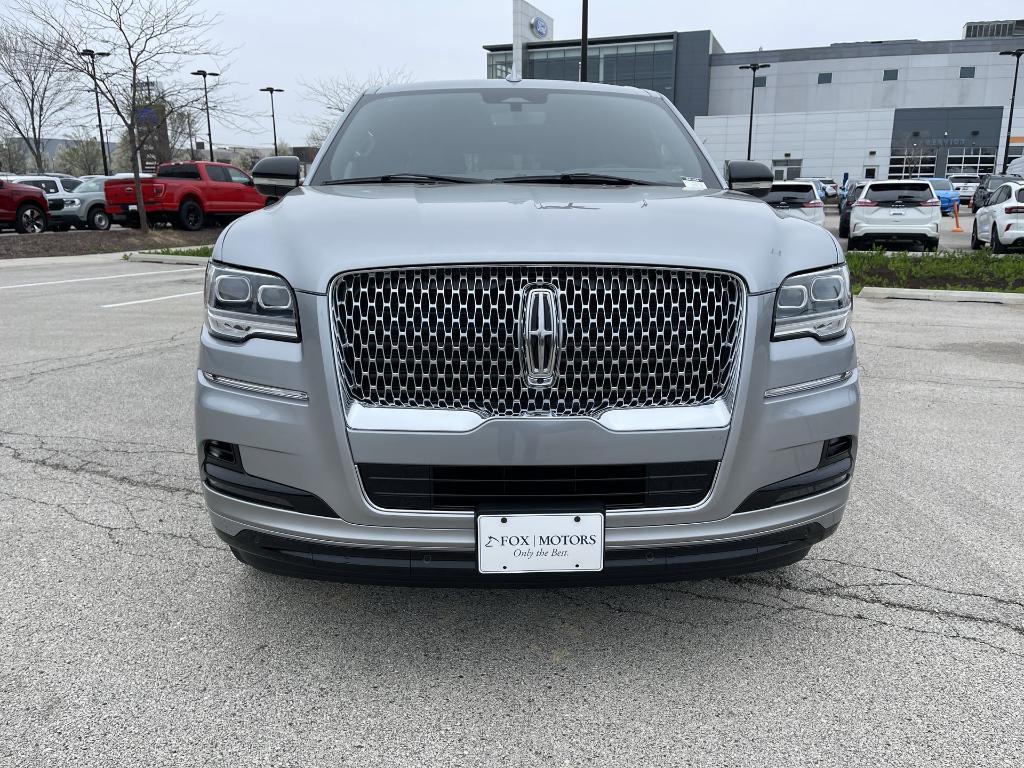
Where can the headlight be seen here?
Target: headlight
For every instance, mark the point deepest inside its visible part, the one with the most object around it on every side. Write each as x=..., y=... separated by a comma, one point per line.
x=816, y=304
x=241, y=305
x=72, y=202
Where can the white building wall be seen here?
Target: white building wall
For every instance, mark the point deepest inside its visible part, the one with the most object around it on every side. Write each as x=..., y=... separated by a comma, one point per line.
x=833, y=128
x=924, y=81
x=828, y=143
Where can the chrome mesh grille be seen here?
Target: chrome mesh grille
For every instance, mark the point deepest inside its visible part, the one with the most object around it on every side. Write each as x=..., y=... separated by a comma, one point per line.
x=448, y=337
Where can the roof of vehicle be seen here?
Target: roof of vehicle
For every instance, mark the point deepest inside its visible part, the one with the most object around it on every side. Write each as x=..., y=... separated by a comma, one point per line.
x=511, y=85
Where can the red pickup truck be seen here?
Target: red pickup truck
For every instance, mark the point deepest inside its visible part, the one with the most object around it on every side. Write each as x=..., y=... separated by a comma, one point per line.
x=23, y=207
x=188, y=195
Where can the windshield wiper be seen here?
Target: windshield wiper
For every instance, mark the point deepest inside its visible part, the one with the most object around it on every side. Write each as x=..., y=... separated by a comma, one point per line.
x=573, y=178
x=406, y=178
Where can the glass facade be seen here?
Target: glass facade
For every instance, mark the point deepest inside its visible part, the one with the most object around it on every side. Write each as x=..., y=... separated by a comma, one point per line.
x=648, y=65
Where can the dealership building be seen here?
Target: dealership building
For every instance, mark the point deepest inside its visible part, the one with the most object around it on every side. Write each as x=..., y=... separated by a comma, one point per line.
x=879, y=109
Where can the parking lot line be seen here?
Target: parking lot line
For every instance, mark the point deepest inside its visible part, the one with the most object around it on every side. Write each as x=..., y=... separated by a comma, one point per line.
x=103, y=277
x=146, y=301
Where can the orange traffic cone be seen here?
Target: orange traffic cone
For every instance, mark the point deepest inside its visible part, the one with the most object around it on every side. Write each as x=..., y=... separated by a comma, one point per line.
x=956, y=218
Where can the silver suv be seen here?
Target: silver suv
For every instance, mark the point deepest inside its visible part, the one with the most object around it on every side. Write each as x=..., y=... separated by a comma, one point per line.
x=513, y=332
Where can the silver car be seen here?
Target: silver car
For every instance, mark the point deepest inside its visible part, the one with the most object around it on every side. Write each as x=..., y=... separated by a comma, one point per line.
x=87, y=206
x=523, y=332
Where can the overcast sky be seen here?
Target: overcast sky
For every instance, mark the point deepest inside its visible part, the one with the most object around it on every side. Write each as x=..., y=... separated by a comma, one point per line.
x=277, y=43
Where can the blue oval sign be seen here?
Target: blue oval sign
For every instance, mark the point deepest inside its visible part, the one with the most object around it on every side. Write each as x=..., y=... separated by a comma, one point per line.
x=539, y=26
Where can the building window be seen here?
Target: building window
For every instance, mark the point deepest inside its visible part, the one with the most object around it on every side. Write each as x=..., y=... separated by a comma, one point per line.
x=890, y=74
x=966, y=73
x=760, y=81
x=824, y=78
x=870, y=171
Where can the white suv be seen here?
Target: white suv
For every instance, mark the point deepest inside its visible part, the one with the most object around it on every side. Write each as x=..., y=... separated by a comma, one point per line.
x=797, y=200
x=1000, y=224
x=896, y=212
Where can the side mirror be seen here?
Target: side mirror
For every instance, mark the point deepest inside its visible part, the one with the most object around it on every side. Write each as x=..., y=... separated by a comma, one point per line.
x=276, y=176
x=750, y=177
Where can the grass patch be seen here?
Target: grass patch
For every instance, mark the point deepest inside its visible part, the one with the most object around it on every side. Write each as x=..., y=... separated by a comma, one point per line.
x=948, y=270
x=200, y=251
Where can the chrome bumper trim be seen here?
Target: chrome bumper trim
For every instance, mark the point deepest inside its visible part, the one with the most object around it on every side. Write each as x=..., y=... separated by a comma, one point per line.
x=363, y=418
x=804, y=386
x=258, y=389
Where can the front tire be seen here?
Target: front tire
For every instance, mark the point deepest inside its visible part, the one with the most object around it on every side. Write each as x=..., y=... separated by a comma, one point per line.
x=191, y=216
x=99, y=219
x=30, y=220
x=997, y=245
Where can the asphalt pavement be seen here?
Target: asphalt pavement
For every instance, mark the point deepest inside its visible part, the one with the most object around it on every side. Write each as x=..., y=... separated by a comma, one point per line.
x=132, y=637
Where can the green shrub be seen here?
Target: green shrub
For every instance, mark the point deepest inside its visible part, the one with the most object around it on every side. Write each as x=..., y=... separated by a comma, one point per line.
x=952, y=270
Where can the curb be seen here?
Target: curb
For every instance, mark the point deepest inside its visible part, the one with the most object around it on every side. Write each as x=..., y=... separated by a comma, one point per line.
x=151, y=258
x=922, y=294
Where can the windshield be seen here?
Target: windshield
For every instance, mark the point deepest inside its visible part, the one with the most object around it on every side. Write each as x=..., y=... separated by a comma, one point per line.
x=92, y=185
x=498, y=133
x=964, y=179
x=941, y=184
x=791, y=193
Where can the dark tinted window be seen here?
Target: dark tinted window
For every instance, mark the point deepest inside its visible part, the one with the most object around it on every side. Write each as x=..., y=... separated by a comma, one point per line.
x=49, y=187
x=902, y=191
x=791, y=193
x=994, y=181
x=824, y=78
x=856, y=193
x=217, y=173
x=70, y=184
x=891, y=74
x=498, y=132
x=1020, y=195
x=178, y=171
x=966, y=73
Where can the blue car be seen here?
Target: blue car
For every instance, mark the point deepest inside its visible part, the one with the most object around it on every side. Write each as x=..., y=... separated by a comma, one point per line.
x=948, y=197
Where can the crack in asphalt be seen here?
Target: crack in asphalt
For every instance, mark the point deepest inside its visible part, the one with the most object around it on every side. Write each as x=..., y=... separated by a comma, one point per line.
x=84, y=462
x=99, y=357
x=110, y=529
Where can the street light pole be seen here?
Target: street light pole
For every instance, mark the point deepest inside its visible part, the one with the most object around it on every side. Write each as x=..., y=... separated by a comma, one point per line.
x=1013, y=97
x=584, y=35
x=753, y=82
x=273, y=118
x=89, y=53
x=206, y=98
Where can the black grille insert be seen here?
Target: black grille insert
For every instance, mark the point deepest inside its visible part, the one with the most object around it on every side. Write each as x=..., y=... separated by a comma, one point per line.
x=615, y=486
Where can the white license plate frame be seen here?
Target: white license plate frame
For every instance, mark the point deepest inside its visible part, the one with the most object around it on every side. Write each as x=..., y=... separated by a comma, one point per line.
x=548, y=542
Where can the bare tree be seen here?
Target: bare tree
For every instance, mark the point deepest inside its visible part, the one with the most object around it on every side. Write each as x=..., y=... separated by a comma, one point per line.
x=34, y=93
x=148, y=40
x=81, y=154
x=337, y=93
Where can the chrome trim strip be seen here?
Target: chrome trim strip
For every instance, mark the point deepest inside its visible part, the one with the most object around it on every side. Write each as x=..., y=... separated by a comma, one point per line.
x=365, y=418
x=804, y=386
x=258, y=389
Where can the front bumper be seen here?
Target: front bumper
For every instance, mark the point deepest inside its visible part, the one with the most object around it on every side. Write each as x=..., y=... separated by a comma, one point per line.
x=307, y=444
x=297, y=557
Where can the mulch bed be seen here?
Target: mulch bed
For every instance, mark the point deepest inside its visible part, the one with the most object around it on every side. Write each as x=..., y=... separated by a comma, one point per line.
x=81, y=242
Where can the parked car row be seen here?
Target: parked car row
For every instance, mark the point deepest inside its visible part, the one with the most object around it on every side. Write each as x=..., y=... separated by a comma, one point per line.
x=188, y=195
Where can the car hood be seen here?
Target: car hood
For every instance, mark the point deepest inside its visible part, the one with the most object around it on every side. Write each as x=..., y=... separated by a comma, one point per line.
x=314, y=233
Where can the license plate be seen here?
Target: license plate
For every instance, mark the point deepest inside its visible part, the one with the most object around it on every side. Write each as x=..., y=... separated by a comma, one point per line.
x=132, y=208
x=544, y=543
